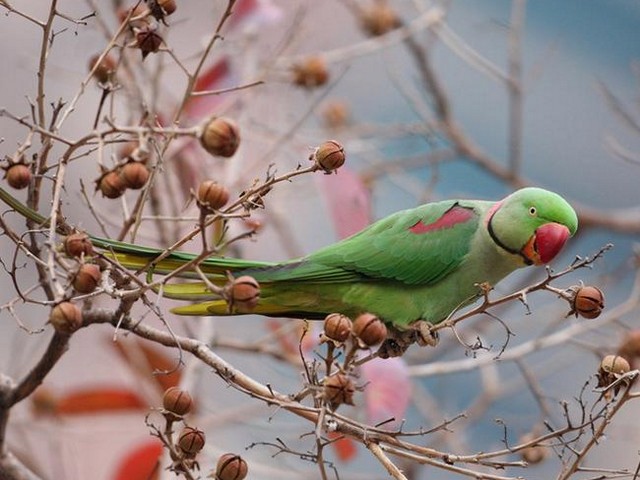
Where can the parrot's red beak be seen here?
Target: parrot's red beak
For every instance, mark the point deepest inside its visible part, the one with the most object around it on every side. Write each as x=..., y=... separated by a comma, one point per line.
x=546, y=243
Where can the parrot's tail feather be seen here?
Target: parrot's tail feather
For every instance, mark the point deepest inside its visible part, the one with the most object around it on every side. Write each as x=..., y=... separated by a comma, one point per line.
x=215, y=307
x=276, y=300
x=220, y=307
x=195, y=291
x=138, y=260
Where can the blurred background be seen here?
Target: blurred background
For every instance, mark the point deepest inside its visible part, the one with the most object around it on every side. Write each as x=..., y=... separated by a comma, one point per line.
x=545, y=92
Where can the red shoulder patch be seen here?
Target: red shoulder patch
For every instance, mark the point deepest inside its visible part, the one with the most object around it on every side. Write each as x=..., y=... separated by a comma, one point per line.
x=450, y=218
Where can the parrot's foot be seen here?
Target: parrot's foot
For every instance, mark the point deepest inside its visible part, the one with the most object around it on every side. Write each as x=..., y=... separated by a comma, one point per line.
x=425, y=334
x=398, y=341
x=391, y=347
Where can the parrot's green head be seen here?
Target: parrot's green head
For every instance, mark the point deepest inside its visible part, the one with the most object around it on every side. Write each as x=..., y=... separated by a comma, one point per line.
x=533, y=223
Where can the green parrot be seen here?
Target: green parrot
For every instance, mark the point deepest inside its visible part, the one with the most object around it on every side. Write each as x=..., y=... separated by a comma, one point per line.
x=415, y=265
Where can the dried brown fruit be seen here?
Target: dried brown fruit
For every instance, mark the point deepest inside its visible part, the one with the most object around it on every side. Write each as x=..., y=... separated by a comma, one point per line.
x=252, y=224
x=213, y=195
x=534, y=453
x=66, y=318
x=125, y=150
x=86, y=278
x=111, y=184
x=169, y=6
x=614, y=364
x=338, y=389
x=134, y=175
x=220, y=136
x=148, y=41
x=103, y=72
x=329, y=156
x=335, y=114
x=245, y=293
x=369, y=329
x=231, y=467
x=311, y=72
x=78, y=244
x=133, y=151
x=191, y=440
x=138, y=11
x=177, y=401
x=588, y=302
x=18, y=176
x=630, y=347
x=337, y=327
x=612, y=367
x=379, y=19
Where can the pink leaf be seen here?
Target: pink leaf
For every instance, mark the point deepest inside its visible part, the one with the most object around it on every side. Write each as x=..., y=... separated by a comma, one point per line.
x=186, y=164
x=141, y=463
x=388, y=391
x=215, y=77
x=349, y=201
x=252, y=14
x=345, y=448
x=87, y=401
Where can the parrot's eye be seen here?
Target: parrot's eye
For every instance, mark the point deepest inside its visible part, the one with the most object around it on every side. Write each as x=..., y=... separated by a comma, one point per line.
x=532, y=211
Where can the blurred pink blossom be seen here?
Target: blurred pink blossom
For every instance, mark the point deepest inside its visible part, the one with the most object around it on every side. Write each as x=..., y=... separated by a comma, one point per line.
x=388, y=391
x=348, y=199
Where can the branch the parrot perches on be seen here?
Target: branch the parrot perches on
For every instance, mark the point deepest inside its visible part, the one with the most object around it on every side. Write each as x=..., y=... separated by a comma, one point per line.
x=417, y=264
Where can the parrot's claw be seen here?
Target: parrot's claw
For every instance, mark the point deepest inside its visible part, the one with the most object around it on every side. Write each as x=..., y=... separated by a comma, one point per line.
x=424, y=333
x=398, y=341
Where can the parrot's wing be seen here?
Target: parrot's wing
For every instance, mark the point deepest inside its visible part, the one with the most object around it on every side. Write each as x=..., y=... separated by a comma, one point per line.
x=416, y=247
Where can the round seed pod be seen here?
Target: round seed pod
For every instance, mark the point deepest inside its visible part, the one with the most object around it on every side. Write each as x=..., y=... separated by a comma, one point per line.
x=337, y=327
x=245, y=293
x=78, y=244
x=126, y=149
x=111, y=184
x=105, y=69
x=169, y=6
x=338, y=389
x=615, y=364
x=18, y=176
x=630, y=347
x=252, y=224
x=134, y=175
x=329, y=156
x=611, y=368
x=335, y=114
x=66, y=318
x=220, y=136
x=138, y=11
x=191, y=440
x=588, y=302
x=133, y=151
x=369, y=329
x=177, y=401
x=311, y=72
x=379, y=19
x=213, y=195
x=86, y=278
x=533, y=454
x=231, y=467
